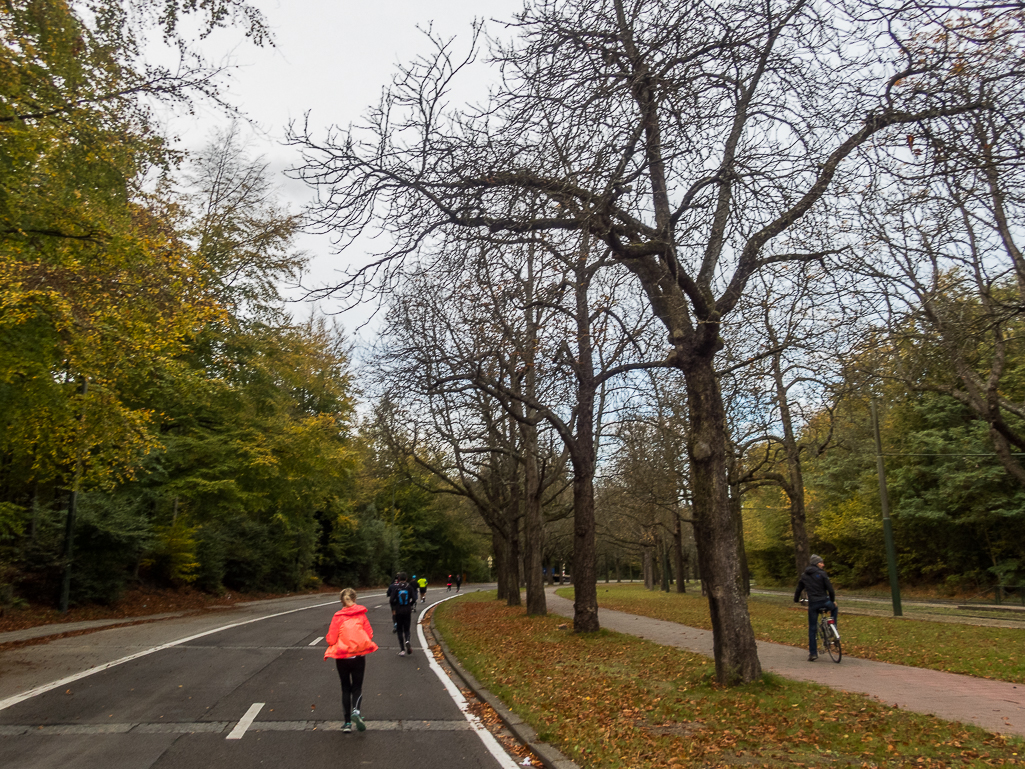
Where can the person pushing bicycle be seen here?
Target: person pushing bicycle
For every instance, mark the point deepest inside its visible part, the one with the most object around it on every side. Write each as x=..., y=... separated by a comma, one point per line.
x=815, y=582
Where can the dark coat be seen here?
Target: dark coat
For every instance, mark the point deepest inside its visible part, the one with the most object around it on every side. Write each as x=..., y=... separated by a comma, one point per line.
x=815, y=582
x=393, y=596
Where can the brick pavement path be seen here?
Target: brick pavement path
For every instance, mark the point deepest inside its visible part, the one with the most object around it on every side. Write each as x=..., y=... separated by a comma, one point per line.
x=996, y=706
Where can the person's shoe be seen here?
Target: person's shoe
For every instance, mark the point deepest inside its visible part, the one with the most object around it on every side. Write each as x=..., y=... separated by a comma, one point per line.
x=402, y=653
x=409, y=648
x=361, y=725
x=347, y=728
x=812, y=657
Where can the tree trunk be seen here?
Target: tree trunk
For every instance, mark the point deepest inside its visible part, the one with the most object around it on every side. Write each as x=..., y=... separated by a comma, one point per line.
x=737, y=510
x=664, y=564
x=582, y=453
x=795, y=477
x=649, y=571
x=715, y=529
x=585, y=567
x=679, y=562
x=34, y=526
x=533, y=526
x=533, y=522
x=513, y=597
x=500, y=552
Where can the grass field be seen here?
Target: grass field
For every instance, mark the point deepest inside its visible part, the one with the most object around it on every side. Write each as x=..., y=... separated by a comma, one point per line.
x=986, y=652
x=610, y=700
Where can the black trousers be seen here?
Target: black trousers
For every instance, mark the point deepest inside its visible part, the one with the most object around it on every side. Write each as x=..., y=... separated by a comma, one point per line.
x=402, y=629
x=350, y=671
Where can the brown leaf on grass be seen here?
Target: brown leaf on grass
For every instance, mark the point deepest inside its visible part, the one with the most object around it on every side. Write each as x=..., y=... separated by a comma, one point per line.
x=613, y=700
x=685, y=729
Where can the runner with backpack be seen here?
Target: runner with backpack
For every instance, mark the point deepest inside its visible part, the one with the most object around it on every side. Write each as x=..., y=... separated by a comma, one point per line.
x=401, y=597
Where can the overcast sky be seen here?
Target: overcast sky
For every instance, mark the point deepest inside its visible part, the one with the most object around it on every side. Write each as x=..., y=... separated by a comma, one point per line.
x=331, y=59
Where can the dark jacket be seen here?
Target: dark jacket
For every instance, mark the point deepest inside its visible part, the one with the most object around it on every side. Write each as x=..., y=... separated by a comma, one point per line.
x=816, y=584
x=393, y=597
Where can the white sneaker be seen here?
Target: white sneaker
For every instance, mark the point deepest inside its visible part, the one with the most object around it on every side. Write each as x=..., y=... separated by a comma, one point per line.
x=402, y=653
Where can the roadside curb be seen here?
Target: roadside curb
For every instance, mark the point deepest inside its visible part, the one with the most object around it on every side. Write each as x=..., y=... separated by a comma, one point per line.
x=550, y=756
x=80, y=628
x=56, y=630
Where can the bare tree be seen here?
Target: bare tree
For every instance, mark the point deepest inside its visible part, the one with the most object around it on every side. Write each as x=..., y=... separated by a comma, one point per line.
x=646, y=489
x=941, y=243
x=692, y=139
x=779, y=370
x=560, y=333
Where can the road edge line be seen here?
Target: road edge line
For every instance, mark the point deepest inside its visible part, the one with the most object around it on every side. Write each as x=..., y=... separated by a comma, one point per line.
x=494, y=746
x=17, y=698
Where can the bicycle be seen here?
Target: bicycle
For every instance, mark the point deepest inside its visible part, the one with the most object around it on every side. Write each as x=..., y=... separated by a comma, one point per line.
x=829, y=636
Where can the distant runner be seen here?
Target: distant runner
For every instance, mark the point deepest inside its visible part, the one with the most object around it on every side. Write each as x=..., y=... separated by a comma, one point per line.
x=422, y=584
x=401, y=597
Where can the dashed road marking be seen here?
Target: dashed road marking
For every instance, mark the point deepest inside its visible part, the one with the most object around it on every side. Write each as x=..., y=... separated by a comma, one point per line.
x=217, y=727
x=4, y=704
x=246, y=721
x=317, y=641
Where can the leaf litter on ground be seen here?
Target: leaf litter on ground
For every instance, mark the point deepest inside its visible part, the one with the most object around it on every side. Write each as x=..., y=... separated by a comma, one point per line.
x=611, y=700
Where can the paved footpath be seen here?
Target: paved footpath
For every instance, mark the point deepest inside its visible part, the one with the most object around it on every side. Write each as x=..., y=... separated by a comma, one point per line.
x=996, y=706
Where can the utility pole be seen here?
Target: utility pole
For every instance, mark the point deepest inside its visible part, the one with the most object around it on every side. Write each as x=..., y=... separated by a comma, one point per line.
x=884, y=503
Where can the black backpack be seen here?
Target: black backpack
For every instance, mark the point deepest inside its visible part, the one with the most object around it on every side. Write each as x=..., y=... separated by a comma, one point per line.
x=402, y=594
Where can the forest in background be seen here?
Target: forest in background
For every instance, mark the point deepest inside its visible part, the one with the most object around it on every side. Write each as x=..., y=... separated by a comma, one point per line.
x=152, y=380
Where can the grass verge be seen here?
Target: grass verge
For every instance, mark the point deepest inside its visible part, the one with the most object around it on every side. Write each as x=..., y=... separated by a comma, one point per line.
x=610, y=700
x=985, y=652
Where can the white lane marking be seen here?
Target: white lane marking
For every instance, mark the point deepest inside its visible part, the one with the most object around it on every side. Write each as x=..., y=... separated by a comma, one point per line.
x=217, y=727
x=15, y=699
x=317, y=641
x=246, y=721
x=493, y=746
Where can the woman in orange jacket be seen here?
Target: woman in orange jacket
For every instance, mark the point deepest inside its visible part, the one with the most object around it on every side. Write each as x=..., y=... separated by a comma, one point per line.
x=350, y=639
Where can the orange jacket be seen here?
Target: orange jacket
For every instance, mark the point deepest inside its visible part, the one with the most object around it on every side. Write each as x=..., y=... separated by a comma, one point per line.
x=350, y=634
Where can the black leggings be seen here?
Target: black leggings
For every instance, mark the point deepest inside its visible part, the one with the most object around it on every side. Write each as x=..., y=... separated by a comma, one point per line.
x=402, y=629
x=351, y=670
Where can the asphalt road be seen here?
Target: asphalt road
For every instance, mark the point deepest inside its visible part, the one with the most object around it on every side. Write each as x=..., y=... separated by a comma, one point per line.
x=185, y=705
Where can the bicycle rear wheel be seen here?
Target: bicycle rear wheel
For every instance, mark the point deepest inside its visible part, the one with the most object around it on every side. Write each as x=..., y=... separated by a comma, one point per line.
x=831, y=642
